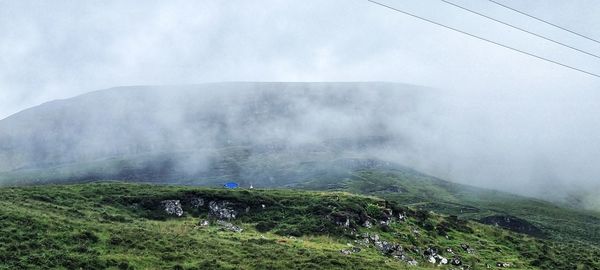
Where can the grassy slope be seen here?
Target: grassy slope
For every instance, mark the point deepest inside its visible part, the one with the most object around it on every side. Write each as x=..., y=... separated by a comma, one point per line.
x=121, y=226
x=426, y=192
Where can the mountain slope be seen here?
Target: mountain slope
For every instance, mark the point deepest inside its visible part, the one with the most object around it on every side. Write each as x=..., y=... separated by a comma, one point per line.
x=129, y=121
x=132, y=226
x=543, y=219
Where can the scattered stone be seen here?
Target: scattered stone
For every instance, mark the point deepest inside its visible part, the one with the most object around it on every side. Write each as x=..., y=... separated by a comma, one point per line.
x=431, y=260
x=204, y=223
x=455, y=261
x=412, y=262
x=228, y=226
x=502, y=264
x=367, y=224
x=263, y=206
x=430, y=252
x=441, y=260
x=402, y=216
x=385, y=222
x=343, y=222
x=350, y=251
x=221, y=210
x=197, y=202
x=172, y=207
x=374, y=237
x=466, y=248
x=247, y=209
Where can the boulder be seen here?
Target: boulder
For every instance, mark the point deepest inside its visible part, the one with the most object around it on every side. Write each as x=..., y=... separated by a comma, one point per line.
x=197, y=202
x=172, y=207
x=221, y=210
x=456, y=261
x=441, y=260
x=431, y=259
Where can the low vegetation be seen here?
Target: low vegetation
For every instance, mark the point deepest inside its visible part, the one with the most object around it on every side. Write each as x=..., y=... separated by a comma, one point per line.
x=126, y=226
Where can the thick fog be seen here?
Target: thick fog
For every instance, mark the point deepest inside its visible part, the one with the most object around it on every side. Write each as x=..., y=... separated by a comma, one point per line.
x=496, y=119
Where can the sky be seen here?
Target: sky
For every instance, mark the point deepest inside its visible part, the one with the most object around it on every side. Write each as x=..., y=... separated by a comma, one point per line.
x=510, y=112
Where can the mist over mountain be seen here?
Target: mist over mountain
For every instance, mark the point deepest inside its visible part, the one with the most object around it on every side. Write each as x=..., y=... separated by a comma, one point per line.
x=186, y=131
x=273, y=134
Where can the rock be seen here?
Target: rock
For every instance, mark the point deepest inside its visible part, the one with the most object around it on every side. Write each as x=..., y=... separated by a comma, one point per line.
x=455, y=261
x=502, y=264
x=172, y=207
x=343, y=222
x=228, y=226
x=350, y=251
x=204, y=223
x=374, y=237
x=197, y=202
x=441, y=260
x=402, y=216
x=412, y=262
x=466, y=248
x=430, y=252
x=263, y=206
x=367, y=224
x=221, y=210
x=431, y=259
x=449, y=250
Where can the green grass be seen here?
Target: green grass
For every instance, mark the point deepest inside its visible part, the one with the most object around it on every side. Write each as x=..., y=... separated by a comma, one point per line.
x=115, y=225
x=425, y=192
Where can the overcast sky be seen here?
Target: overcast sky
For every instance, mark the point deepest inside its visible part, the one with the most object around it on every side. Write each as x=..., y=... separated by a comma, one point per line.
x=57, y=49
x=500, y=102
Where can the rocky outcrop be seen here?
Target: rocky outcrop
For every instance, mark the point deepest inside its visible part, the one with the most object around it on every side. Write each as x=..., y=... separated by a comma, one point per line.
x=197, y=202
x=172, y=207
x=388, y=248
x=221, y=210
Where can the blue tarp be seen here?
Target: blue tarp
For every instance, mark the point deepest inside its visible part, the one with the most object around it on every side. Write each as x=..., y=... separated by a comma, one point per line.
x=231, y=185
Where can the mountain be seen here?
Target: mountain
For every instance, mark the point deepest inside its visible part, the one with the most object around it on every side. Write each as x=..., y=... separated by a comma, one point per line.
x=114, y=225
x=202, y=120
x=318, y=136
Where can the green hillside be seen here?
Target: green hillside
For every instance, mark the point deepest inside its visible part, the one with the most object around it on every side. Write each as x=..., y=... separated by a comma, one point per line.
x=421, y=191
x=133, y=226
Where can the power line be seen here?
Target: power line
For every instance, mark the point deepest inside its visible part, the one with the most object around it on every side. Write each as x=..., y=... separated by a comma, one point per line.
x=520, y=29
x=544, y=21
x=484, y=39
